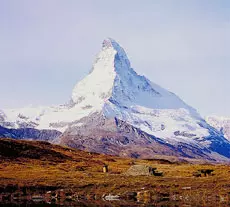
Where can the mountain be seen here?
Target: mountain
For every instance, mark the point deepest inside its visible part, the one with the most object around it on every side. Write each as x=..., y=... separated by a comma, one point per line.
x=29, y=134
x=220, y=123
x=114, y=110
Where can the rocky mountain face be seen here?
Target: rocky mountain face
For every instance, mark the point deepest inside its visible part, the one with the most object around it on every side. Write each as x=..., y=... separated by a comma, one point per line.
x=97, y=133
x=222, y=124
x=114, y=110
x=29, y=134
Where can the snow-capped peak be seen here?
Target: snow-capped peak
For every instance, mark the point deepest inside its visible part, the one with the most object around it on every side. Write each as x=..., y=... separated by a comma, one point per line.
x=97, y=85
x=120, y=52
x=112, y=87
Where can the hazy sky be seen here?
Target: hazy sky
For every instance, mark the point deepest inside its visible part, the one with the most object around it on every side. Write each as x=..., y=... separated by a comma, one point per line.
x=46, y=46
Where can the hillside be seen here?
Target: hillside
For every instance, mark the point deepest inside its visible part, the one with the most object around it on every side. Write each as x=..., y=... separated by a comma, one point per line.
x=37, y=167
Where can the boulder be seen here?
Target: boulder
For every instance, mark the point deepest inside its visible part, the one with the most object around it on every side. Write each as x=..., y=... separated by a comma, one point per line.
x=136, y=170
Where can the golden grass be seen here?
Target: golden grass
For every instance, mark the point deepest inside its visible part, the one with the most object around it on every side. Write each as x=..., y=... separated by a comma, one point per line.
x=82, y=172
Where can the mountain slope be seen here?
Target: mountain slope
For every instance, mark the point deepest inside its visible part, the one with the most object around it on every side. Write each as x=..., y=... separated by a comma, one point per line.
x=114, y=92
x=119, y=93
x=220, y=123
x=113, y=136
x=29, y=134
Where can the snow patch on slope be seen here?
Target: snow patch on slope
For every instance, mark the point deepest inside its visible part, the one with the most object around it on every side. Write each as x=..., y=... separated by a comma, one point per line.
x=57, y=117
x=172, y=125
x=222, y=124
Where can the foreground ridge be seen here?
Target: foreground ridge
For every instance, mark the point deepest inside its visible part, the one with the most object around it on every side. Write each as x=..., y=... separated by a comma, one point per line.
x=46, y=171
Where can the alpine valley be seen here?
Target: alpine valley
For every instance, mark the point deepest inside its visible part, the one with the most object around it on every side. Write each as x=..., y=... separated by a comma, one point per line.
x=113, y=110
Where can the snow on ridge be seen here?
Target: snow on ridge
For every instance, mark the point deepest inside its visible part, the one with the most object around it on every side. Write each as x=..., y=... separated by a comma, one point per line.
x=109, y=42
x=163, y=123
x=220, y=123
x=97, y=86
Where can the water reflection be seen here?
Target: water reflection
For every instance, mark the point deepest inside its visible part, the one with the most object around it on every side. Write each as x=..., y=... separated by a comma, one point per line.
x=173, y=201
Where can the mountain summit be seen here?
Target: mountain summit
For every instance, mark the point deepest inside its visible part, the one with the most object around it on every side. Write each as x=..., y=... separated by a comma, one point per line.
x=113, y=80
x=114, y=110
x=114, y=88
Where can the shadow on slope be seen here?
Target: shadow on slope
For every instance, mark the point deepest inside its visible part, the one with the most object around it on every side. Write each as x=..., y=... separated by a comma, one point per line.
x=29, y=133
x=14, y=149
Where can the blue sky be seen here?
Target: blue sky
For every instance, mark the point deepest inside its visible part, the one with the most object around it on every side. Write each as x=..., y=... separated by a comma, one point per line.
x=46, y=46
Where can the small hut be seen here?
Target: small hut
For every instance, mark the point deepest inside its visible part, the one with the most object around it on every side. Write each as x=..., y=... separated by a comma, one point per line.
x=136, y=170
